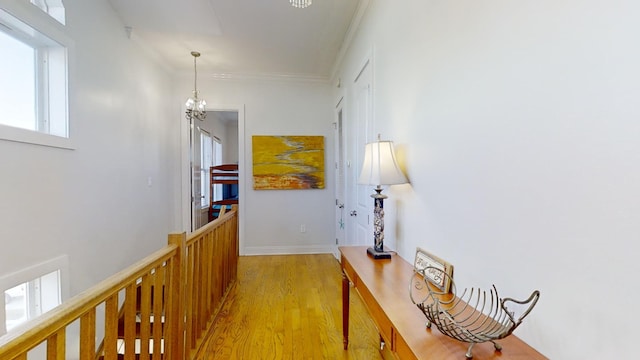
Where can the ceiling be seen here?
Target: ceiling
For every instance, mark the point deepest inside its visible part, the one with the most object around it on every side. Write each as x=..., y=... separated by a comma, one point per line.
x=241, y=37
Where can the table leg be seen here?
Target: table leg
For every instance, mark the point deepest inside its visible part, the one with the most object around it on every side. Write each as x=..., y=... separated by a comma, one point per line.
x=345, y=310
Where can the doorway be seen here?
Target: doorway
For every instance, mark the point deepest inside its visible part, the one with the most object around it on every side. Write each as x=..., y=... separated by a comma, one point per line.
x=214, y=141
x=187, y=198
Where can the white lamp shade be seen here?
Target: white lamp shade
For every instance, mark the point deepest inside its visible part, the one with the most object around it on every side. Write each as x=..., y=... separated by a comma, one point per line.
x=380, y=166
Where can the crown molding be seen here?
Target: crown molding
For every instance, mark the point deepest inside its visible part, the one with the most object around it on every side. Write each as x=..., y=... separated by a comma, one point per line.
x=285, y=77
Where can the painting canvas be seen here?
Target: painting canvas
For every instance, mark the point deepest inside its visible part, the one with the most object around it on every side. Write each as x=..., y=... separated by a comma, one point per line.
x=288, y=162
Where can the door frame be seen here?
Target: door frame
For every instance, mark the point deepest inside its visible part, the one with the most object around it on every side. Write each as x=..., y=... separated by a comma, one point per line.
x=339, y=153
x=195, y=159
x=359, y=232
x=185, y=198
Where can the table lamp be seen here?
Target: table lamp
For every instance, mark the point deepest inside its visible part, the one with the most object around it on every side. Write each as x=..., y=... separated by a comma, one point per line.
x=380, y=168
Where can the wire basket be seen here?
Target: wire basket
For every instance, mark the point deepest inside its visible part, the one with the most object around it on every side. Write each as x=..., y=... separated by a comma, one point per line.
x=474, y=316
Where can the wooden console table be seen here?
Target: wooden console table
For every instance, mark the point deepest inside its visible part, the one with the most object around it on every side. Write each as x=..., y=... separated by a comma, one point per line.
x=383, y=286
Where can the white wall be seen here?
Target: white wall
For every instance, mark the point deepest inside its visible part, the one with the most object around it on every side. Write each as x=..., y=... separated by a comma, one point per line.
x=272, y=218
x=94, y=203
x=518, y=126
x=230, y=154
x=227, y=133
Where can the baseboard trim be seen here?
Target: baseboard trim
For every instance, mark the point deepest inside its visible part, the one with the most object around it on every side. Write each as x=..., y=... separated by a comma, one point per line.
x=287, y=250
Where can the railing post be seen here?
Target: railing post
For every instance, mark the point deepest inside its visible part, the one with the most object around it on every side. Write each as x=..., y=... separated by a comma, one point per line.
x=56, y=346
x=177, y=280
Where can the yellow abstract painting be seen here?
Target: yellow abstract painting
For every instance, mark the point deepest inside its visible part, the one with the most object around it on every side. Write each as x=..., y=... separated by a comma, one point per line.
x=288, y=162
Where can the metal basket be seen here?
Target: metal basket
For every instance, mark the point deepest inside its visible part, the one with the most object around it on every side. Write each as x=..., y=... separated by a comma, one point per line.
x=474, y=316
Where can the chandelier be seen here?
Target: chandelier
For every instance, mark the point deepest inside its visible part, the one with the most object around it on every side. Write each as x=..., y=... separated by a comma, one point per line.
x=300, y=3
x=195, y=106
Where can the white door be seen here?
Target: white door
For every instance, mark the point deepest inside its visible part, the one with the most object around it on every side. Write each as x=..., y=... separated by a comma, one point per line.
x=339, y=156
x=360, y=132
x=196, y=177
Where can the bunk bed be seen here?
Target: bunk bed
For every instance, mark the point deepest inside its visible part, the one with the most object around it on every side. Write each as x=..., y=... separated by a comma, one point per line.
x=227, y=176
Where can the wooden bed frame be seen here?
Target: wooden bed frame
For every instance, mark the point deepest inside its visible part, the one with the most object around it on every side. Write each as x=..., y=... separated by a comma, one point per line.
x=226, y=174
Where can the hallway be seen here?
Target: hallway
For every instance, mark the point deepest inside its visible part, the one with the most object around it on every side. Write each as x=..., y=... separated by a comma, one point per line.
x=289, y=307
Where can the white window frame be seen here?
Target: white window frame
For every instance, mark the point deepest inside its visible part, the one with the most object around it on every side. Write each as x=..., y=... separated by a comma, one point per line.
x=53, y=74
x=54, y=8
x=217, y=160
x=206, y=161
x=36, y=272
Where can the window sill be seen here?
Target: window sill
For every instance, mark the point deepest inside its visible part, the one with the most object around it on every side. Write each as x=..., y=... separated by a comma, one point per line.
x=9, y=133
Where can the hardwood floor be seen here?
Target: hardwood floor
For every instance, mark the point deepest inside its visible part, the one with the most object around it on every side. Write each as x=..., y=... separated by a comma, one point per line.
x=289, y=307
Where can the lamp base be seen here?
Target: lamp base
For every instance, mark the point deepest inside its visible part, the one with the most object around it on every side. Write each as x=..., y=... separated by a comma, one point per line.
x=377, y=255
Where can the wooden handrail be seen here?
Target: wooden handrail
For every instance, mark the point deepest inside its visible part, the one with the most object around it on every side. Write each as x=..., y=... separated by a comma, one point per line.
x=163, y=283
x=211, y=258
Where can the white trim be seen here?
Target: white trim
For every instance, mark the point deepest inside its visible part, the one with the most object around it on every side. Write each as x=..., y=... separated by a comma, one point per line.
x=348, y=38
x=339, y=139
x=32, y=272
x=242, y=183
x=339, y=104
x=14, y=134
x=288, y=250
x=367, y=61
x=185, y=196
x=54, y=32
x=37, y=19
x=264, y=77
x=186, y=183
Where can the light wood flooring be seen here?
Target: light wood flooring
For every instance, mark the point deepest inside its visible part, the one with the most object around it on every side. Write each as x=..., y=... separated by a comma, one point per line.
x=289, y=307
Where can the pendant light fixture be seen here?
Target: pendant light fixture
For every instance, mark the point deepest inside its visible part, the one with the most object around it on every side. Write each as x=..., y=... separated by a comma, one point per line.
x=195, y=106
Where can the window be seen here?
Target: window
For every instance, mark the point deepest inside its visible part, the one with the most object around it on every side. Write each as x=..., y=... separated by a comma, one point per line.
x=31, y=299
x=32, y=291
x=17, y=94
x=33, y=69
x=55, y=9
x=217, y=153
x=210, y=155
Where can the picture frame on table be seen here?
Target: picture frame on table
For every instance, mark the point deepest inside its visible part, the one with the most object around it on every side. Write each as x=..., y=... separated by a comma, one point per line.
x=437, y=266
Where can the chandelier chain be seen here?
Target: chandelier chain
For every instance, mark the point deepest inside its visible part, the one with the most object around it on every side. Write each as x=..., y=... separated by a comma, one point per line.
x=195, y=106
x=195, y=71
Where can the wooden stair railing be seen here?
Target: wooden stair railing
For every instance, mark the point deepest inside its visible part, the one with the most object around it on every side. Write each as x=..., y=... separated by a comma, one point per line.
x=146, y=325
x=186, y=283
